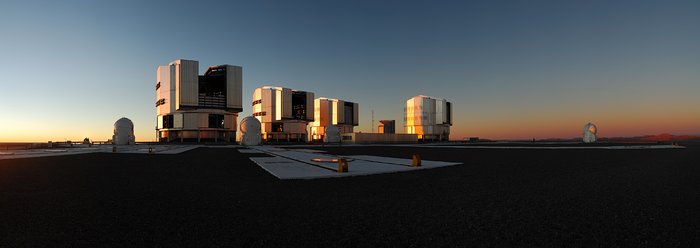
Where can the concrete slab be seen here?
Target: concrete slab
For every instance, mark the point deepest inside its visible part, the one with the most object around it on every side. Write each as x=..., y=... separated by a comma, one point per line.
x=249, y=151
x=137, y=149
x=177, y=150
x=284, y=168
x=401, y=161
x=294, y=164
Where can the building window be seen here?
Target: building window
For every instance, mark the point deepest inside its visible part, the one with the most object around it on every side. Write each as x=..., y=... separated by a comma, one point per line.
x=449, y=113
x=299, y=105
x=160, y=102
x=212, y=88
x=277, y=127
x=260, y=113
x=259, y=101
x=168, y=121
x=349, y=110
x=216, y=121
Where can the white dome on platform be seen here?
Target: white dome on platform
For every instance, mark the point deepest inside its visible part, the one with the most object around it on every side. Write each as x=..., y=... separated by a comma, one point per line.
x=123, y=132
x=590, y=133
x=251, y=134
x=332, y=134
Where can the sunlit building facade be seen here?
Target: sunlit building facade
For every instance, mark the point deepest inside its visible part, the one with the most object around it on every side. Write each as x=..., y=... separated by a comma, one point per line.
x=339, y=113
x=283, y=113
x=193, y=107
x=428, y=117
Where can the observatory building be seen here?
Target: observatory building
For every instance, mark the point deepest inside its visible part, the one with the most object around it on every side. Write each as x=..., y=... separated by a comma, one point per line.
x=428, y=117
x=123, y=132
x=333, y=112
x=197, y=107
x=590, y=133
x=387, y=126
x=283, y=113
x=250, y=131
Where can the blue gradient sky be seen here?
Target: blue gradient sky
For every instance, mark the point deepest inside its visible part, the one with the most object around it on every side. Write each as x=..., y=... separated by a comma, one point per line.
x=514, y=69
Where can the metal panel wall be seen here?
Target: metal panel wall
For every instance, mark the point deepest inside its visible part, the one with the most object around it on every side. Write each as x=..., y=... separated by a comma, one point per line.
x=309, y=106
x=191, y=121
x=234, y=87
x=339, y=112
x=439, y=112
x=449, y=112
x=285, y=103
x=187, y=78
x=179, y=121
x=164, y=91
x=356, y=114
x=159, y=119
x=321, y=113
x=230, y=122
x=268, y=105
x=203, y=120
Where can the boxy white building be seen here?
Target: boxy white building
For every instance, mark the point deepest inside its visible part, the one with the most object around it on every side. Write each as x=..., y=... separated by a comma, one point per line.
x=339, y=113
x=283, y=113
x=428, y=117
x=197, y=107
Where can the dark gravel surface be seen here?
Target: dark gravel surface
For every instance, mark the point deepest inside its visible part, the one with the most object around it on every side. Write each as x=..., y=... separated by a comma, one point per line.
x=217, y=197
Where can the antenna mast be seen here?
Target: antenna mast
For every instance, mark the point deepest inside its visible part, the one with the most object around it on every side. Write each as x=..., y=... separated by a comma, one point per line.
x=372, y=120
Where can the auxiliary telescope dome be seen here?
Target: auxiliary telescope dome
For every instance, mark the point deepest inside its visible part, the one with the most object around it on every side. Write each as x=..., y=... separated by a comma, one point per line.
x=332, y=134
x=250, y=131
x=123, y=132
x=590, y=133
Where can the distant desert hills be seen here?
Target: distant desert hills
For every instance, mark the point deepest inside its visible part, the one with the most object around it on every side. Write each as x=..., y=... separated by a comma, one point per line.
x=664, y=137
x=658, y=137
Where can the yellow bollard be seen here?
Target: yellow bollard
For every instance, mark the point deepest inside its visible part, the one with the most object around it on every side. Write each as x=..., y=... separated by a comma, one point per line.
x=342, y=165
x=416, y=160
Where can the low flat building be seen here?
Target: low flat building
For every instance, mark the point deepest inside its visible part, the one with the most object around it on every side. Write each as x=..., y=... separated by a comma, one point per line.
x=197, y=107
x=387, y=126
x=339, y=113
x=283, y=113
x=428, y=117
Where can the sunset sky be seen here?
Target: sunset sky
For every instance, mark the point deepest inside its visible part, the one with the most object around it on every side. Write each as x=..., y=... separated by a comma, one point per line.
x=513, y=69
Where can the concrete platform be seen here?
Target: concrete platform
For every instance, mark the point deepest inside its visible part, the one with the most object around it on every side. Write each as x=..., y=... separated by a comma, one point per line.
x=298, y=164
x=134, y=149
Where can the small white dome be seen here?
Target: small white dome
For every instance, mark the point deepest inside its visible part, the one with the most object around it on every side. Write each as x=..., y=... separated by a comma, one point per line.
x=590, y=133
x=251, y=134
x=332, y=134
x=123, y=132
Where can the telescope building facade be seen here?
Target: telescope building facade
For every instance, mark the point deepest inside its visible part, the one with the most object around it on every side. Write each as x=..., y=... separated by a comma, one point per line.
x=428, y=117
x=283, y=113
x=342, y=114
x=197, y=107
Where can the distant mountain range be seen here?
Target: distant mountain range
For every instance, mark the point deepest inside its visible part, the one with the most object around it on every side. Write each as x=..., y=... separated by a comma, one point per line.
x=656, y=138
x=664, y=137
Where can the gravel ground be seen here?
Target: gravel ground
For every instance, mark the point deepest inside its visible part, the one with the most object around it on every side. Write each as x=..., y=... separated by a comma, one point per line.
x=217, y=197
